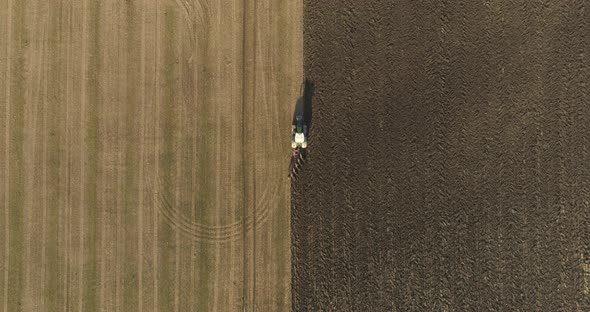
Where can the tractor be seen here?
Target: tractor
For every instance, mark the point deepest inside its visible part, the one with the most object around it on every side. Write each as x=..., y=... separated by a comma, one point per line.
x=299, y=133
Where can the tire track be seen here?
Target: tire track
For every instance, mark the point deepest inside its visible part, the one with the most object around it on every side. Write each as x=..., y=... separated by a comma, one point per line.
x=177, y=232
x=83, y=99
x=220, y=262
x=7, y=101
x=253, y=82
x=35, y=223
x=192, y=20
x=103, y=168
x=193, y=212
x=200, y=232
x=179, y=166
x=189, y=90
x=58, y=166
x=73, y=126
x=244, y=86
x=16, y=134
x=218, y=150
x=4, y=159
x=67, y=180
x=122, y=170
x=142, y=155
x=30, y=161
x=29, y=146
x=157, y=149
x=45, y=166
x=109, y=169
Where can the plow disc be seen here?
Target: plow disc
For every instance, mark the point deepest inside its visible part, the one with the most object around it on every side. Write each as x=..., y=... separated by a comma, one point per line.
x=297, y=160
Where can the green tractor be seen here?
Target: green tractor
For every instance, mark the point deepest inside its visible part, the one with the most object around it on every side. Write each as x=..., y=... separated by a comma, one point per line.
x=299, y=133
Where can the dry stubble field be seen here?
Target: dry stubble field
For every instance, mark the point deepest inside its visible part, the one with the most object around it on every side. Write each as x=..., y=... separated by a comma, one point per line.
x=143, y=154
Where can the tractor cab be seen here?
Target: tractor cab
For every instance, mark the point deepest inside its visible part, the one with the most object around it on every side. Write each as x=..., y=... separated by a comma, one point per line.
x=299, y=133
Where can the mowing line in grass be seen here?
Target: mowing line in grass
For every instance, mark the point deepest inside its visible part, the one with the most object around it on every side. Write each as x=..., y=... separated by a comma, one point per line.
x=55, y=138
x=167, y=179
x=131, y=186
x=93, y=150
x=16, y=180
x=6, y=37
x=203, y=189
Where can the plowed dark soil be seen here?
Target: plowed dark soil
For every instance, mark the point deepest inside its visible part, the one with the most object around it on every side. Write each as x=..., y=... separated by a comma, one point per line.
x=449, y=158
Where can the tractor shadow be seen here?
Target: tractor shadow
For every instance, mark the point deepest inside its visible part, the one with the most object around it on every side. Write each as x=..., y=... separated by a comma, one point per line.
x=305, y=102
x=302, y=107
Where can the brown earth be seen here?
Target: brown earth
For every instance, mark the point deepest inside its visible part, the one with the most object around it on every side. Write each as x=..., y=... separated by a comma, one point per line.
x=448, y=165
x=143, y=157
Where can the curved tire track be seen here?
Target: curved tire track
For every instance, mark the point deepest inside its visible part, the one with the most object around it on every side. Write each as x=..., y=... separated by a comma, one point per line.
x=214, y=233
